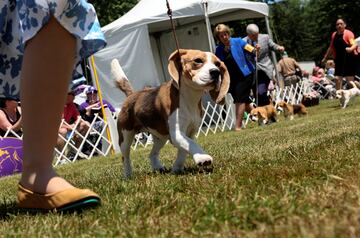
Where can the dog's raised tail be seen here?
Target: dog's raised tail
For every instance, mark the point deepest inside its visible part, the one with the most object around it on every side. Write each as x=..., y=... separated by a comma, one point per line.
x=121, y=80
x=355, y=84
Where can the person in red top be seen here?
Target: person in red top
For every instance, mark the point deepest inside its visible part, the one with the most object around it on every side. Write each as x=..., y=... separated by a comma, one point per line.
x=71, y=116
x=341, y=44
x=71, y=112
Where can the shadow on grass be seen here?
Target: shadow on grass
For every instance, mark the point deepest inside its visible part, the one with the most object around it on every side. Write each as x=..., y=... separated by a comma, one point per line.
x=187, y=171
x=335, y=106
x=8, y=210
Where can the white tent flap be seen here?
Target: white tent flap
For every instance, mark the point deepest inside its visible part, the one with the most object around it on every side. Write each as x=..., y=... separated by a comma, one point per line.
x=142, y=39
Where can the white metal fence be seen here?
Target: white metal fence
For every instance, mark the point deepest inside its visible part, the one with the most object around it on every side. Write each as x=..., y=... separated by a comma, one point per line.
x=96, y=141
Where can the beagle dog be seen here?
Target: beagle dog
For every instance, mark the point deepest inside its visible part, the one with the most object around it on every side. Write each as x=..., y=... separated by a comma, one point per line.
x=291, y=109
x=346, y=95
x=172, y=111
x=263, y=115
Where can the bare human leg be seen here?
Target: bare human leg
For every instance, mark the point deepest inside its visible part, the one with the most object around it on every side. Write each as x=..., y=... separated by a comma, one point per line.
x=350, y=79
x=248, y=107
x=48, y=62
x=338, y=82
x=239, y=112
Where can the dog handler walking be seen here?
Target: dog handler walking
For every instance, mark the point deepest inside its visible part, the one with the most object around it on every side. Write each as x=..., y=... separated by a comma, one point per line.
x=264, y=65
x=41, y=42
x=241, y=70
x=341, y=47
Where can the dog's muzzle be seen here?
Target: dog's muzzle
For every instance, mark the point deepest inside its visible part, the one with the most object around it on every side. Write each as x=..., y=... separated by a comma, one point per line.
x=215, y=77
x=253, y=118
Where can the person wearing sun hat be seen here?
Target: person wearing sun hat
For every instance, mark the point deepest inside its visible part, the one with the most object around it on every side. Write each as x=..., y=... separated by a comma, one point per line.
x=92, y=104
x=89, y=109
x=10, y=115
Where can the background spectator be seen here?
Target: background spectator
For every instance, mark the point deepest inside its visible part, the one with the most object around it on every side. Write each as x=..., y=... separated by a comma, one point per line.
x=330, y=69
x=71, y=116
x=10, y=116
x=89, y=109
x=264, y=65
x=288, y=68
x=92, y=105
x=341, y=48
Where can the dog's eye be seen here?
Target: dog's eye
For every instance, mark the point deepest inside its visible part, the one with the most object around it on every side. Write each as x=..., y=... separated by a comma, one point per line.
x=217, y=64
x=198, y=61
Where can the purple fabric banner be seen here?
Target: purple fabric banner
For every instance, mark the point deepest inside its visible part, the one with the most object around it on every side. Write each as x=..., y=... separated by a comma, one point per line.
x=11, y=156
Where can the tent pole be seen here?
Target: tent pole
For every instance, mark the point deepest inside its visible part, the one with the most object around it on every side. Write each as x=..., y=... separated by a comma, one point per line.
x=273, y=55
x=93, y=68
x=208, y=27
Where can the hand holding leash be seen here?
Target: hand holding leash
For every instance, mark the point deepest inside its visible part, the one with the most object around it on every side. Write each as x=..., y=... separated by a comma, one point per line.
x=257, y=50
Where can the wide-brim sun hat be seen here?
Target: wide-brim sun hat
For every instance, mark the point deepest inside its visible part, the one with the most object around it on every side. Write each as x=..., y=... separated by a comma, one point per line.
x=90, y=90
x=10, y=98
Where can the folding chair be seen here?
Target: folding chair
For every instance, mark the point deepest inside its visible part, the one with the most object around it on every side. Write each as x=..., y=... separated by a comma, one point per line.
x=325, y=91
x=143, y=139
x=11, y=133
x=70, y=152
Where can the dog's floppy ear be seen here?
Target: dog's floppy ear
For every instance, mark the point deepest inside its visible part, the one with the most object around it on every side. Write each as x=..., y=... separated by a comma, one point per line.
x=218, y=94
x=175, y=66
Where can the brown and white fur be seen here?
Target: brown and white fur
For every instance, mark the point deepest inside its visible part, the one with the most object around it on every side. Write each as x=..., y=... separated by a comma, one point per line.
x=263, y=115
x=172, y=111
x=292, y=109
x=346, y=95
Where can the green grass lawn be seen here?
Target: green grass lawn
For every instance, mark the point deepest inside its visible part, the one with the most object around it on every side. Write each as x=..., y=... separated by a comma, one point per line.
x=295, y=178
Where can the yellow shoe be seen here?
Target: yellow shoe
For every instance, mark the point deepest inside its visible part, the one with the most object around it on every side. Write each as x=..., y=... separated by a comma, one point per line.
x=68, y=200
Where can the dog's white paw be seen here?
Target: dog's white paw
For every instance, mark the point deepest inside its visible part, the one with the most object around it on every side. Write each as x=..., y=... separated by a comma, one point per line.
x=203, y=159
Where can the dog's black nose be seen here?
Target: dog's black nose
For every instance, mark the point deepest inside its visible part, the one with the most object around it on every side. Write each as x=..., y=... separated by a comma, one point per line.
x=214, y=73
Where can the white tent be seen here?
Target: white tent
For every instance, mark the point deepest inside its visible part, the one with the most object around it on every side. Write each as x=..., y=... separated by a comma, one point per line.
x=142, y=39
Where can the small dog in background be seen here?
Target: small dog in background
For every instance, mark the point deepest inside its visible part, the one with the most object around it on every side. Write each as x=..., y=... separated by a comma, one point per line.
x=345, y=95
x=264, y=115
x=291, y=109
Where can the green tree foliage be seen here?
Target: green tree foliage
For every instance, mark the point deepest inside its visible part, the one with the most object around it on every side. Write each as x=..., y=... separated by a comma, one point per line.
x=110, y=10
x=305, y=27
x=323, y=14
x=290, y=28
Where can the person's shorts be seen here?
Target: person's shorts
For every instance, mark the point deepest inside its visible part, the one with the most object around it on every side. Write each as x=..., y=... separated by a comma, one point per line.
x=240, y=91
x=346, y=66
x=20, y=20
x=291, y=80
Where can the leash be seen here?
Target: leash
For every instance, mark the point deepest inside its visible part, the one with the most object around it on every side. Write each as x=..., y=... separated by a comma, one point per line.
x=169, y=12
x=256, y=77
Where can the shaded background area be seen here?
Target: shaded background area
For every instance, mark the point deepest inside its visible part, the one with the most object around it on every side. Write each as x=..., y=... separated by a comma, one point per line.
x=304, y=27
